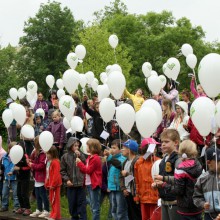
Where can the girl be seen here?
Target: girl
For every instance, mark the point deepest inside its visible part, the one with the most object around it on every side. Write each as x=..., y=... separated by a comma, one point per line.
x=199, y=92
x=37, y=164
x=181, y=120
x=168, y=116
x=144, y=193
x=185, y=177
x=173, y=94
x=53, y=183
x=53, y=100
x=58, y=130
x=93, y=179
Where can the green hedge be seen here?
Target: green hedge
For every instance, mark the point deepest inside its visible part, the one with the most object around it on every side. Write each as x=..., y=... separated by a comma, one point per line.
x=3, y=131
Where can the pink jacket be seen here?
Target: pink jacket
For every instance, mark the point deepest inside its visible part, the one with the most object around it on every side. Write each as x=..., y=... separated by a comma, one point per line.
x=2, y=151
x=194, y=91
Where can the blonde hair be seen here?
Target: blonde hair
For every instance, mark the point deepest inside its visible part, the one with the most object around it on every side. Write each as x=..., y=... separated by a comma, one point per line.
x=188, y=147
x=168, y=111
x=56, y=113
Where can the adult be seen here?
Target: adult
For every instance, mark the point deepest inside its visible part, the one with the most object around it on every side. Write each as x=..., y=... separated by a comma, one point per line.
x=199, y=92
x=53, y=100
x=41, y=103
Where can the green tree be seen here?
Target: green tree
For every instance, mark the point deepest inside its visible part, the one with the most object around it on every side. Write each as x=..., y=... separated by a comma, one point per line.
x=49, y=38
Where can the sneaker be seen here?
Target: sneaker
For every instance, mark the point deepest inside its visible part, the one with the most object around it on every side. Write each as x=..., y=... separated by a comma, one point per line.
x=15, y=210
x=19, y=211
x=26, y=212
x=3, y=209
x=44, y=214
x=37, y=213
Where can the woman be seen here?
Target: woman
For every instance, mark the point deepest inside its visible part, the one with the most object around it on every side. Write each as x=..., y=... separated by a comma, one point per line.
x=53, y=100
x=41, y=103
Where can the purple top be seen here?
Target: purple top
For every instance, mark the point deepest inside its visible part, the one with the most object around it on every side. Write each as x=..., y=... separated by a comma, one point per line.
x=194, y=91
x=173, y=95
x=41, y=104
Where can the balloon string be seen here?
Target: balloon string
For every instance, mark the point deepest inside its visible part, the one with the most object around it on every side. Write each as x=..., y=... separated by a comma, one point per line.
x=206, y=167
x=115, y=56
x=194, y=73
x=9, y=136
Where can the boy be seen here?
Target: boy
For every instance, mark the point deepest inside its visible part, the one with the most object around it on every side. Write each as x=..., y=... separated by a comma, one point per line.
x=118, y=203
x=39, y=124
x=206, y=193
x=127, y=183
x=170, y=140
x=74, y=179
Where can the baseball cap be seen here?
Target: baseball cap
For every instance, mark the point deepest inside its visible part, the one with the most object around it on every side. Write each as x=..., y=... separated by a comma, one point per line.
x=131, y=144
x=146, y=141
x=211, y=154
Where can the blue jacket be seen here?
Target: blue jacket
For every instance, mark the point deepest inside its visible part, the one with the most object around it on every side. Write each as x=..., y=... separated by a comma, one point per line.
x=8, y=166
x=114, y=173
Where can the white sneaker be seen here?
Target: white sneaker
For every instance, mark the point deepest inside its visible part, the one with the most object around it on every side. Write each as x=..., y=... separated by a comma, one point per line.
x=44, y=214
x=35, y=214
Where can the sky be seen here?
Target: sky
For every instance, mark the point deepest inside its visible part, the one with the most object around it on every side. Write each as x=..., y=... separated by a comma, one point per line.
x=13, y=13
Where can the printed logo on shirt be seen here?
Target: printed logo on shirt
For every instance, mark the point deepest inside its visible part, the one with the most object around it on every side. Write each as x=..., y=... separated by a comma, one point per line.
x=168, y=167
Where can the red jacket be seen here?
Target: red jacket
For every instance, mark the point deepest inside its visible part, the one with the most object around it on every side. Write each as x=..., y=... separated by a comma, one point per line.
x=38, y=166
x=94, y=169
x=53, y=179
x=195, y=136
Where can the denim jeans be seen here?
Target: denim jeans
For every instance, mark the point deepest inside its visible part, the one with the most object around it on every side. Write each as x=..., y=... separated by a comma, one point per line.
x=5, y=193
x=119, y=205
x=42, y=199
x=94, y=195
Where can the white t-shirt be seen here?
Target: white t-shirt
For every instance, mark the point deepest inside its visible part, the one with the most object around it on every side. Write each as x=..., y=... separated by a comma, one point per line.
x=88, y=178
x=127, y=168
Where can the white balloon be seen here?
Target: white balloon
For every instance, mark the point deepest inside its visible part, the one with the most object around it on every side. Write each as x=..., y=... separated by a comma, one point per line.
x=209, y=74
x=191, y=61
x=151, y=103
x=66, y=123
x=202, y=113
x=32, y=87
x=155, y=168
x=89, y=77
x=217, y=113
x=16, y=154
x=146, y=69
x=88, y=116
x=172, y=68
x=77, y=124
x=186, y=49
x=67, y=106
x=95, y=84
x=13, y=93
x=103, y=92
x=163, y=79
x=125, y=116
x=82, y=80
x=71, y=80
x=107, y=109
x=41, y=112
x=108, y=69
x=146, y=121
x=154, y=84
x=72, y=60
x=46, y=140
x=164, y=68
x=60, y=93
x=21, y=93
x=84, y=145
x=113, y=41
x=103, y=77
x=27, y=131
x=50, y=81
x=7, y=117
x=115, y=67
x=13, y=106
x=153, y=73
x=31, y=98
x=116, y=83
x=59, y=84
x=19, y=113
x=80, y=52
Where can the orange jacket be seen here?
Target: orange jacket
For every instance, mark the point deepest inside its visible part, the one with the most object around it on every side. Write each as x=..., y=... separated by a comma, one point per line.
x=143, y=180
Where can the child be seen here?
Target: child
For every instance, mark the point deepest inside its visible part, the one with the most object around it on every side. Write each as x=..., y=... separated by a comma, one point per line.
x=37, y=164
x=186, y=98
x=10, y=181
x=181, y=120
x=2, y=153
x=39, y=124
x=53, y=183
x=127, y=183
x=93, y=179
x=170, y=140
x=23, y=176
x=118, y=203
x=185, y=176
x=206, y=193
x=58, y=130
x=200, y=92
x=144, y=193
x=74, y=179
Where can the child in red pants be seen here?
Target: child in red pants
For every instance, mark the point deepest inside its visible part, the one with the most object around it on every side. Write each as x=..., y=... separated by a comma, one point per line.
x=53, y=183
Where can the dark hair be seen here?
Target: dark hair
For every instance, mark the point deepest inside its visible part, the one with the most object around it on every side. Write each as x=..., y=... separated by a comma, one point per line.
x=143, y=150
x=116, y=142
x=94, y=146
x=173, y=85
x=186, y=93
x=11, y=144
x=53, y=152
x=139, y=89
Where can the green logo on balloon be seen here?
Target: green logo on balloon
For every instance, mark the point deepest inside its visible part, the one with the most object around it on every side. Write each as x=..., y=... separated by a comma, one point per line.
x=74, y=58
x=66, y=104
x=216, y=111
x=31, y=86
x=171, y=66
x=192, y=111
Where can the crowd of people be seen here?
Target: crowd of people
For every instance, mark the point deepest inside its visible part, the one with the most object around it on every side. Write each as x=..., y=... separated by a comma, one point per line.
x=185, y=185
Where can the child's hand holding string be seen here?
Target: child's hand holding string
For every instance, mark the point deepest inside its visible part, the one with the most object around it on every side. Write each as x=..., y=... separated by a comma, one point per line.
x=77, y=160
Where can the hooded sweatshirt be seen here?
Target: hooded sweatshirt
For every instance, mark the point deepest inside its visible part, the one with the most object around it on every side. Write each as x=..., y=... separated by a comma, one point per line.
x=69, y=170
